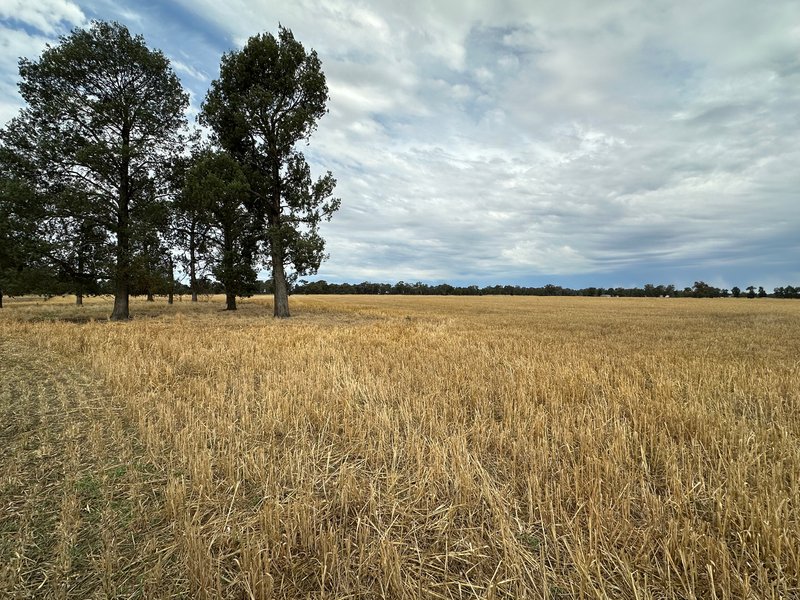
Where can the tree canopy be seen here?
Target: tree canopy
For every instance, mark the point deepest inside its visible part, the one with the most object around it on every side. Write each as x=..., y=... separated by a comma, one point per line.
x=216, y=188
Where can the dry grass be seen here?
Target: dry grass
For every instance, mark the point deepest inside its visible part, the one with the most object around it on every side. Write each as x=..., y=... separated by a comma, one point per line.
x=82, y=509
x=395, y=447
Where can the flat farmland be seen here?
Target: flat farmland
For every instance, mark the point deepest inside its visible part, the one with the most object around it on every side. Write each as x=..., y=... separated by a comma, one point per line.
x=401, y=447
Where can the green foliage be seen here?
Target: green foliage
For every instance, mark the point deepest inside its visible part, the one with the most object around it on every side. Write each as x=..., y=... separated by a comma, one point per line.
x=190, y=223
x=703, y=290
x=269, y=96
x=42, y=250
x=443, y=289
x=788, y=291
x=215, y=188
x=23, y=268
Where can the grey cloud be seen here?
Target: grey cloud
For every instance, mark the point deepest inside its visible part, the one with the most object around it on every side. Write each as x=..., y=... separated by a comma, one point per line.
x=477, y=141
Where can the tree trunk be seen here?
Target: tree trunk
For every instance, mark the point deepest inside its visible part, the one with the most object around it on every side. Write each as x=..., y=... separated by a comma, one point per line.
x=281, y=289
x=280, y=304
x=121, y=310
x=192, y=270
x=171, y=296
x=227, y=278
x=1, y=298
x=150, y=296
x=230, y=301
x=79, y=286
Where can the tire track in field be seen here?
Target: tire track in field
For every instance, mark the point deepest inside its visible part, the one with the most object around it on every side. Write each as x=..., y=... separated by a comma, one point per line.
x=81, y=507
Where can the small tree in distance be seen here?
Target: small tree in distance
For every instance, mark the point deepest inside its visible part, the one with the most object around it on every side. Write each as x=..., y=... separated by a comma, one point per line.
x=190, y=224
x=268, y=98
x=217, y=184
x=21, y=249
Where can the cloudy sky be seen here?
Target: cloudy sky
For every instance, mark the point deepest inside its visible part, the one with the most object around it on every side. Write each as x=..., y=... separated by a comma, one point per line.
x=474, y=141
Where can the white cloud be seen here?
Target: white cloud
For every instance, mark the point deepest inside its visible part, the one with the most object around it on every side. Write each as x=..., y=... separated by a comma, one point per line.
x=14, y=44
x=182, y=67
x=47, y=16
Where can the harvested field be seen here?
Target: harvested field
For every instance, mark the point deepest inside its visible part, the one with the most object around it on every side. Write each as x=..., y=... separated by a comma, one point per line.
x=401, y=447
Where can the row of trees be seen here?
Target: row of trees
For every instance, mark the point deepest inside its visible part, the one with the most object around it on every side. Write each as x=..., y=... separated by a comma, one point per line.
x=699, y=290
x=204, y=285
x=102, y=185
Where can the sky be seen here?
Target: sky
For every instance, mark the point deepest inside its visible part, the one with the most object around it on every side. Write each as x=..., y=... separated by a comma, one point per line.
x=580, y=143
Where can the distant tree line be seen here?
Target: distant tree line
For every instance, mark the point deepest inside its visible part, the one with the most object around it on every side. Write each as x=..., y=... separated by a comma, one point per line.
x=699, y=290
x=47, y=284
x=105, y=189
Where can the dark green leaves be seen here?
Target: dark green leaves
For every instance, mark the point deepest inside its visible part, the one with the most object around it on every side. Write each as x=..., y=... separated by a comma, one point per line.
x=216, y=187
x=269, y=96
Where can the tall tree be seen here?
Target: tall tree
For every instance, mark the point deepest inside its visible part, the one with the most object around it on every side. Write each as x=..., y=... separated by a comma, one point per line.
x=103, y=111
x=217, y=186
x=268, y=98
